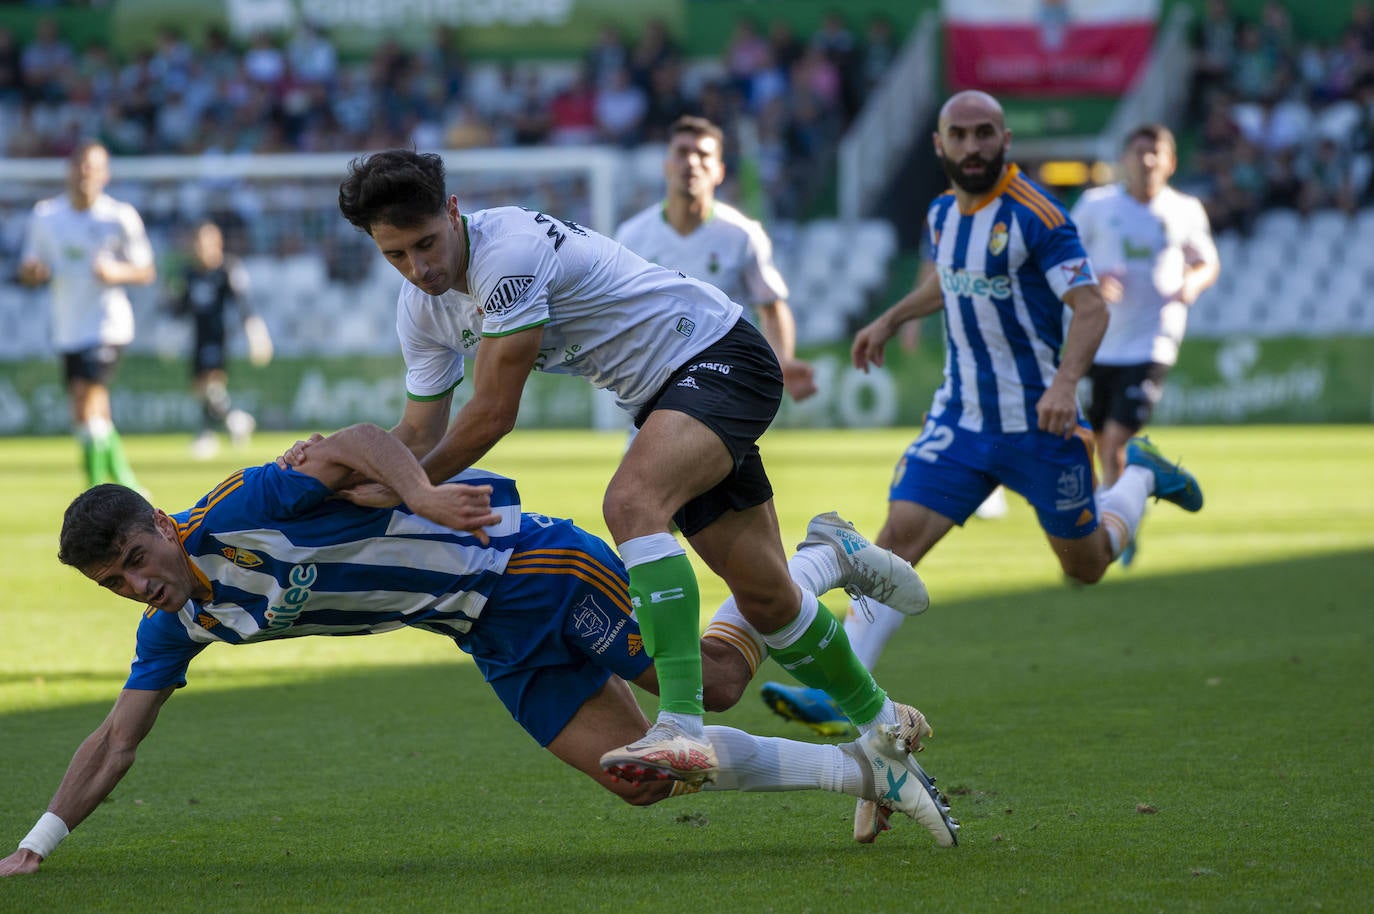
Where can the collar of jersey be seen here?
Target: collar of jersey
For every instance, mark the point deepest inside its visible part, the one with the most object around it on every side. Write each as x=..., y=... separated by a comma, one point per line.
x=707, y=217
x=1012, y=172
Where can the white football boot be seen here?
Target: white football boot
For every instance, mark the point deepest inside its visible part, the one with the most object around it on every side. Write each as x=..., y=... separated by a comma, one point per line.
x=869, y=570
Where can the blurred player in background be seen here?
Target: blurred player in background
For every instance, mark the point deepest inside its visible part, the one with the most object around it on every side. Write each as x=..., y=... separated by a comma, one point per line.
x=693, y=232
x=541, y=605
x=1153, y=251
x=541, y=293
x=87, y=247
x=1007, y=261
x=213, y=284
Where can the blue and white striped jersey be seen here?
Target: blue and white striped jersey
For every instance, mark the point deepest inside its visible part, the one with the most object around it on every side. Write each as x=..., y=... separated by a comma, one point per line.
x=1003, y=269
x=284, y=560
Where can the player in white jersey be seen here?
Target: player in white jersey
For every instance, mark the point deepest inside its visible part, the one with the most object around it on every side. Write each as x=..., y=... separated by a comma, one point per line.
x=542, y=606
x=87, y=246
x=701, y=236
x=1153, y=250
x=543, y=294
x=1007, y=261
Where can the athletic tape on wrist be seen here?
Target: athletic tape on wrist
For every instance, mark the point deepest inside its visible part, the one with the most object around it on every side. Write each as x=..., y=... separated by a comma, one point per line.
x=45, y=835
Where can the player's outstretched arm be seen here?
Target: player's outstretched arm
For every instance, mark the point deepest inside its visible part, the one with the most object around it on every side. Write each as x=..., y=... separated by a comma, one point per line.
x=921, y=301
x=98, y=765
x=375, y=453
x=502, y=366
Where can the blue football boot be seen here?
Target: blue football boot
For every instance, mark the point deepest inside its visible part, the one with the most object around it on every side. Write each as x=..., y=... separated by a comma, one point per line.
x=811, y=707
x=1172, y=482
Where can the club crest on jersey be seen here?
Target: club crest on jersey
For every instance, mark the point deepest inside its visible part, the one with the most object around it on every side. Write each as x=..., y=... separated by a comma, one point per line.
x=997, y=241
x=241, y=557
x=507, y=294
x=1077, y=272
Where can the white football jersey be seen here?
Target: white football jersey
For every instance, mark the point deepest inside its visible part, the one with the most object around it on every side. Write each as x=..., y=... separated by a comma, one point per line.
x=608, y=315
x=85, y=311
x=1148, y=246
x=729, y=250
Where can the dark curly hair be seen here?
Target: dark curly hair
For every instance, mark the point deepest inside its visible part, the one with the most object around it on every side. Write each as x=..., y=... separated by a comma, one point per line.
x=399, y=187
x=99, y=522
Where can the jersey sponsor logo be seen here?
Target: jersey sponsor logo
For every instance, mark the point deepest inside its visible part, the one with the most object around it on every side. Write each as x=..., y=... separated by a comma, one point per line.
x=572, y=353
x=713, y=263
x=206, y=621
x=507, y=294
x=1077, y=272
x=997, y=241
x=635, y=644
x=1072, y=490
x=470, y=339
x=685, y=325
x=966, y=283
x=710, y=366
x=594, y=626
x=689, y=382
x=281, y=615
x=241, y=557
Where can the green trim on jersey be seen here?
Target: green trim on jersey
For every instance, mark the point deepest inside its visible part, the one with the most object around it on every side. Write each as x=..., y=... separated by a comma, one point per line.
x=486, y=333
x=421, y=398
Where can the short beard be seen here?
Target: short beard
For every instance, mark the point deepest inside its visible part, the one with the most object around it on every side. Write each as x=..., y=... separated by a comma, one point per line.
x=975, y=184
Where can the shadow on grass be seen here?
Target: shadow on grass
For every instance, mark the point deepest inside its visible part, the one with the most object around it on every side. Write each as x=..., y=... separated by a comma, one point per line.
x=1125, y=739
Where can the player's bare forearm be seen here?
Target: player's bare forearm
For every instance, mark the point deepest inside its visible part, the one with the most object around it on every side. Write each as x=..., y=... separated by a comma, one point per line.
x=920, y=302
x=1198, y=279
x=105, y=756
x=779, y=327
x=373, y=452
x=1089, y=323
x=475, y=431
x=123, y=273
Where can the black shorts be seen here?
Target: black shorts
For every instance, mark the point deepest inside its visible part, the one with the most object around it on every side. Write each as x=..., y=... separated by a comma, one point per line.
x=209, y=355
x=96, y=365
x=1126, y=394
x=734, y=388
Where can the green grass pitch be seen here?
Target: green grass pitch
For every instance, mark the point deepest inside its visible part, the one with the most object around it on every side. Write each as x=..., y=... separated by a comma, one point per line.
x=1193, y=734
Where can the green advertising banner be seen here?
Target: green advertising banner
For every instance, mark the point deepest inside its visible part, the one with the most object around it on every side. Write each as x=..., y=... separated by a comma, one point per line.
x=1235, y=381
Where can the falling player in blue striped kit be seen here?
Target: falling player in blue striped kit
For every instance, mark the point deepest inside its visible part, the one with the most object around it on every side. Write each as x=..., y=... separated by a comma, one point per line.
x=541, y=605
x=1007, y=261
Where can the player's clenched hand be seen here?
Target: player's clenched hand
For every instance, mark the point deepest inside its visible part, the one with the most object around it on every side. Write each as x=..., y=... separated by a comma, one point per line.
x=20, y=863
x=458, y=506
x=295, y=454
x=1058, y=410
x=868, y=344
x=799, y=378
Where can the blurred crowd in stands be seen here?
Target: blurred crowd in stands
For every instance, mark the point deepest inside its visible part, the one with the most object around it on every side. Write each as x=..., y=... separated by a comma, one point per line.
x=788, y=96
x=1283, y=122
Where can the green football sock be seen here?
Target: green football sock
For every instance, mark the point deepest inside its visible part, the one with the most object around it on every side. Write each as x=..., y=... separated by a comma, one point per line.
x=668, y=607
x=120, y=470
x=93, y=459
x=822, y=658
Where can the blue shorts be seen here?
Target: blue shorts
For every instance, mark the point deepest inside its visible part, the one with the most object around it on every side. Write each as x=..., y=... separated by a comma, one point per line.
x=951, y=470
x=556, y=628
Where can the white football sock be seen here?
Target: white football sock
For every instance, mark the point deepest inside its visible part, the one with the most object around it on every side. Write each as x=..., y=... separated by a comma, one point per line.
x=869, y=638
x=815, y=568
x=767, y=763
x=789, y=633
x=1122, y=505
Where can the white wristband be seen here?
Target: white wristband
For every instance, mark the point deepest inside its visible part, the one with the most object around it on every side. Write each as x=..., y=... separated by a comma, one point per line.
x=45, y=835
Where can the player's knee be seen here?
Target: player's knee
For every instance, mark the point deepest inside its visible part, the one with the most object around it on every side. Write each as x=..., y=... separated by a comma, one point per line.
x=1086, y=574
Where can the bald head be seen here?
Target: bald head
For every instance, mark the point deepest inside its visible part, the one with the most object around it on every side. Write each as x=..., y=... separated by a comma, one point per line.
x=971, y=107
